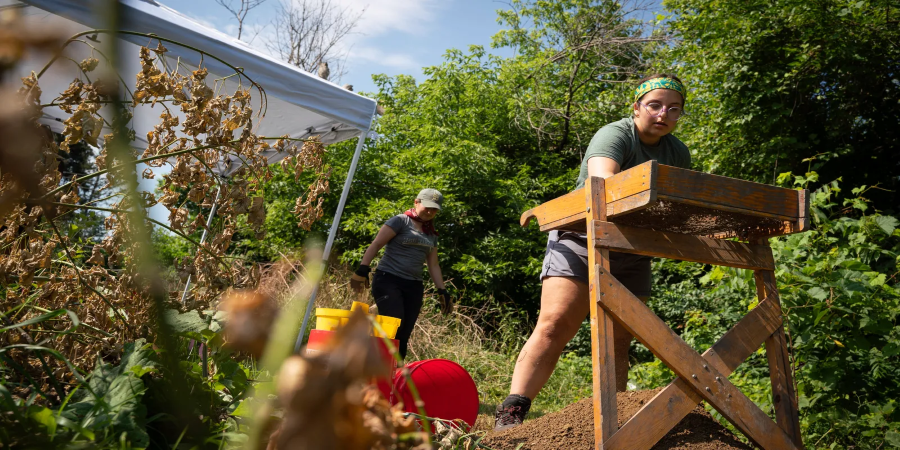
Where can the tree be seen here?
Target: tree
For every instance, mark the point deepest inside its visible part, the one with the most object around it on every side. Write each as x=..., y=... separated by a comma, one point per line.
x=461, y=131
x=240, y=12
x=310, y=32
x=774, y=83
x=569, y=54
x=78, y=161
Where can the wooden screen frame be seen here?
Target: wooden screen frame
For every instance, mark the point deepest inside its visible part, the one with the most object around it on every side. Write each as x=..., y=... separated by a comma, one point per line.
x=699, y=377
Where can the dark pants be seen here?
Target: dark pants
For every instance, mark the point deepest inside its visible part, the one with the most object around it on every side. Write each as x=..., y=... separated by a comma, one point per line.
x=400, y=298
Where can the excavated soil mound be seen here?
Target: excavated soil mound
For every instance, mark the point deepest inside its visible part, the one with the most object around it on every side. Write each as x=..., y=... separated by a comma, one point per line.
x=573, y=428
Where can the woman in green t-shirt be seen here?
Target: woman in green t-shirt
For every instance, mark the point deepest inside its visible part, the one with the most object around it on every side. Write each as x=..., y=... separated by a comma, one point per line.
x=621, y=145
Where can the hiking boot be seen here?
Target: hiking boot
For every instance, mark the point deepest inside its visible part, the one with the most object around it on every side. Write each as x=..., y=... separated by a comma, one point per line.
x=511, y=416
x=511, y=412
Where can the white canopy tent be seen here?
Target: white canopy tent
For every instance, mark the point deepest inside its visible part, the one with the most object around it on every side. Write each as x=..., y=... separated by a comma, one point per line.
x=298, y=104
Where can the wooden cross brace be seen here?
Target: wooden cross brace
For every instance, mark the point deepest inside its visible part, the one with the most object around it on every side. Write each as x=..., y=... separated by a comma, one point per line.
x=700, y=377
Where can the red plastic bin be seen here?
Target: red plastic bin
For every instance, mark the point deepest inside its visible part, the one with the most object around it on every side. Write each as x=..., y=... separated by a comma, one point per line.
x=318, y=340
x=445, y=387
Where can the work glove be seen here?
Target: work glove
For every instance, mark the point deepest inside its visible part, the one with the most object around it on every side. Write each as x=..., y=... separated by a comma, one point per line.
x=359, y=281
x=445, y=301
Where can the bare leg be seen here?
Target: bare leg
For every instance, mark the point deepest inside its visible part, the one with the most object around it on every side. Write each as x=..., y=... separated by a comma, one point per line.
x=622, y=342
x=564, y=307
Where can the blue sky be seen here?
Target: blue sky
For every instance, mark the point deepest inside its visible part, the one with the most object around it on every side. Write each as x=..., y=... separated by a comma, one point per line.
x=393, y=36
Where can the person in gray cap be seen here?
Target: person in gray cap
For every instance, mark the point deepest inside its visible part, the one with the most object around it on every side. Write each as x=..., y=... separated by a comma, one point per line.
x=410, y=240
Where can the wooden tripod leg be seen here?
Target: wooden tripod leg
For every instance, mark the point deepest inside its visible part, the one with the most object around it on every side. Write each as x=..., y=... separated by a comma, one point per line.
x=784, y=396
x=602, y=344
x=702, y=377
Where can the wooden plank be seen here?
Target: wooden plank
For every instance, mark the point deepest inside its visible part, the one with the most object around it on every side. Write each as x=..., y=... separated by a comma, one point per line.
x=624, y=187
x=727, y=192
x=633, y=181
x=643, y=241
x=804, y=222
x=559, y=208
x=634, y=203
x=704, y=379
x=655, y=419
x=571, y=223
x=784, y=396
x=631, y=203
x=576, y=222
x=606, y=421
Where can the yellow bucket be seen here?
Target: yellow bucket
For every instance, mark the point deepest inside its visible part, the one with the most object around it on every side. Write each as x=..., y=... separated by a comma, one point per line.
x=389, y=325
x=328, y=319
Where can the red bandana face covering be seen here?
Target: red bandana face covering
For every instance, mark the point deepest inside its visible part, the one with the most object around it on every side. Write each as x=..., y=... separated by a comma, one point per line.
x=427, y=225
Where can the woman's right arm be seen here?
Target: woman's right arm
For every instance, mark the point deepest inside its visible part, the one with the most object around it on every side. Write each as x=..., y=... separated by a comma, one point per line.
x=603, y=167
x=385, y=234
x=359, y=280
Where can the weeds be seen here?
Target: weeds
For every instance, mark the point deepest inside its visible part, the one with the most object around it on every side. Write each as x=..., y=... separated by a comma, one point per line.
x=84, y=298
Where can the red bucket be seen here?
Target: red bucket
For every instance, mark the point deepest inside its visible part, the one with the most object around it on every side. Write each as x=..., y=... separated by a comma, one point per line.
x=318, y=340
x=447, y=390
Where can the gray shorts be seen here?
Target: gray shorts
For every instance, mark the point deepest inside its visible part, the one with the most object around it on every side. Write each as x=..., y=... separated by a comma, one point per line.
x=567, y=257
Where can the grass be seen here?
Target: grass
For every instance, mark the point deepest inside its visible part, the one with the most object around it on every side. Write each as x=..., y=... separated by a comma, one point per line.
x=459, y=338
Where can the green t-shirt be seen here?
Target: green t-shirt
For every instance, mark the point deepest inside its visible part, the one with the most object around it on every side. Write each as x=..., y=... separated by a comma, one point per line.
x=619, y=142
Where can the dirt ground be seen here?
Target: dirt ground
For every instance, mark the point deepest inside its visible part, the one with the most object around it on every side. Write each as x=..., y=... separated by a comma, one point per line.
x=573, y=428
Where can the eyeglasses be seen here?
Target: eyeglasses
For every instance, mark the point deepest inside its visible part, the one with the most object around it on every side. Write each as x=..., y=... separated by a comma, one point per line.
x=656, y=109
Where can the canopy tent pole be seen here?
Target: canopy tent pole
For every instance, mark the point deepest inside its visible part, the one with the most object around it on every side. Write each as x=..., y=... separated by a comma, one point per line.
x=332, y=233
x=212, y=213
x=187, y=284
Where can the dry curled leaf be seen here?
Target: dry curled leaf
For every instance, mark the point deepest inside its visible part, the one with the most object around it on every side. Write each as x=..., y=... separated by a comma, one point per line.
x=330, y=404
x=198, y=128
x=249, y=320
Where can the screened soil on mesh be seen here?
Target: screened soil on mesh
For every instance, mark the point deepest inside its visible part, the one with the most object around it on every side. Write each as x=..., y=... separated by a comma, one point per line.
x=697, y=220
x=573, y=428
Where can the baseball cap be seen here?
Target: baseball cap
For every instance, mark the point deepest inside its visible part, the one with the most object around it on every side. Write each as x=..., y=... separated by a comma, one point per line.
x=431, y=198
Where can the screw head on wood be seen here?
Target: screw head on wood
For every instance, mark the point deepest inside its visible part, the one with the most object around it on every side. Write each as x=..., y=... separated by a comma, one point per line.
x=706, y=367
x=589, y=209
x=694, y=376
x=717, y=379
x=708, y=389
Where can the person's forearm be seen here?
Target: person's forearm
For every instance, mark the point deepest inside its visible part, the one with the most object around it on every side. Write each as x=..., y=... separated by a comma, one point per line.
x=370, y=253
x=436, y=276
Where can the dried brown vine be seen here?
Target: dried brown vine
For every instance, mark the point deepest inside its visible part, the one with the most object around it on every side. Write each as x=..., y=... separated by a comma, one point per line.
x=42, y=270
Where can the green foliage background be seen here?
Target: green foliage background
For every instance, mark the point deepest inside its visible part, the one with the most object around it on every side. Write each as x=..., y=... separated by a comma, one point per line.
x=804, y=94
x=777, y=88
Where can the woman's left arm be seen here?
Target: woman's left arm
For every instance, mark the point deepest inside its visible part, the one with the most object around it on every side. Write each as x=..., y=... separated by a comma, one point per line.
x=434, y=268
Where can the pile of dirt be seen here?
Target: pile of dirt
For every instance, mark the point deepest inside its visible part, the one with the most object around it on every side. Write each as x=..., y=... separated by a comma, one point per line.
x=573, y=428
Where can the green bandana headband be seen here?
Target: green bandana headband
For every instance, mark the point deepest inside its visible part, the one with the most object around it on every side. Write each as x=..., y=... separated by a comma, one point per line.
x=659, y=83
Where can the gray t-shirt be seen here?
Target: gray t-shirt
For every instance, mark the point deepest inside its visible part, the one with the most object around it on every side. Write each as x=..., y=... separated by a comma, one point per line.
x=406, y=252
x=619, y=142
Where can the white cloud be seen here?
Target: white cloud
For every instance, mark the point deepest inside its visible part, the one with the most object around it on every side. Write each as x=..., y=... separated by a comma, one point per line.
x=206, y=21
x=383, y=16
x=380, y=17
x=376, y=55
